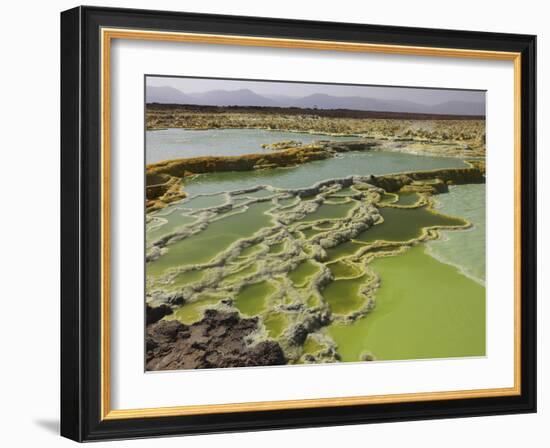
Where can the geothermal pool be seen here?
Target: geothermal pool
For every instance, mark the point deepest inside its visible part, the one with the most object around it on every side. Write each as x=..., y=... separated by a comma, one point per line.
x=346, y=164
x=399, y=276
x=166, y=144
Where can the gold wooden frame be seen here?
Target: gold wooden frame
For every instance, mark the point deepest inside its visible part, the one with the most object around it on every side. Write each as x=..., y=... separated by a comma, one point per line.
x=107, y=35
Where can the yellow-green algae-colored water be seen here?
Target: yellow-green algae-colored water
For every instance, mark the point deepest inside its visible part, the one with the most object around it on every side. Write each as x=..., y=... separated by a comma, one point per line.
x=424, y=309
x=193, y=312
x=305, y=270
x=341, y=269
x=205, y=245
x=251, y=300
x=269, y=257
x=401, y=224
x=166, y=221
x=241, y=273
x=275, y=324
x=344, y=296
x=187, y=277
x=330, y=211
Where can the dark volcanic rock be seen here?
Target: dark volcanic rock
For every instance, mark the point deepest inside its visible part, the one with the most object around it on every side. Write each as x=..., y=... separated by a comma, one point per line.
x=452, y=176
x=218, y=340
x=154, y=314
x=298, y=334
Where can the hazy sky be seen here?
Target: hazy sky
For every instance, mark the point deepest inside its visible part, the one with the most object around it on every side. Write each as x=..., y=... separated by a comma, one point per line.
x=417, y=95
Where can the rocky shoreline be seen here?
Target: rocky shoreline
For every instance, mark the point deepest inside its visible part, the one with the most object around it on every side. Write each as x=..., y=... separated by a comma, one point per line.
x=219, y=339
x=463, y=131
x=458, y=138
x=163, y=178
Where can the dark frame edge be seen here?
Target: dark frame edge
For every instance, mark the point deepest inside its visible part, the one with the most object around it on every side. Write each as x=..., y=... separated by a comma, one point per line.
x=71, y=379
x=80, y=384
x=529, y=222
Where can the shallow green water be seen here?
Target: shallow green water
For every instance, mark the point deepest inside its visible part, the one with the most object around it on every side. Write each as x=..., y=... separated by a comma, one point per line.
x=405, y=224
x=343, y=250
x=303, y=272
x=188, y=277
x=174, y=143
x=167, y=223
x=311, y=345
x=204, y=201
x=404, y=198
x=345, y=192
x=313, y=231
x=275, y=323
x=192, y=312
x=260, y=194
x=241, y=273
x=276, y=248
x=341, y=269
x=251, y=250
x=424, y=309
x=330, y=211
x=464, y=248
x=344, y=295
x=205, y=245
x=251, y=300
x=407, y=198
x=288, y=202
x=357, y=163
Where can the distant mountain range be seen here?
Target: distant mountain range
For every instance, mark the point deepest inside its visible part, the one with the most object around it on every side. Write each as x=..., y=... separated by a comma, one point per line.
x=246, y=97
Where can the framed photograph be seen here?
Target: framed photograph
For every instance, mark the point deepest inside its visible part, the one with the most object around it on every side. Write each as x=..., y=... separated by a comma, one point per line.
x=273, y=223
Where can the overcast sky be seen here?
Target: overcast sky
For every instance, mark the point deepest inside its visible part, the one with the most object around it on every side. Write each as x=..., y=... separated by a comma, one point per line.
x=417, y=95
